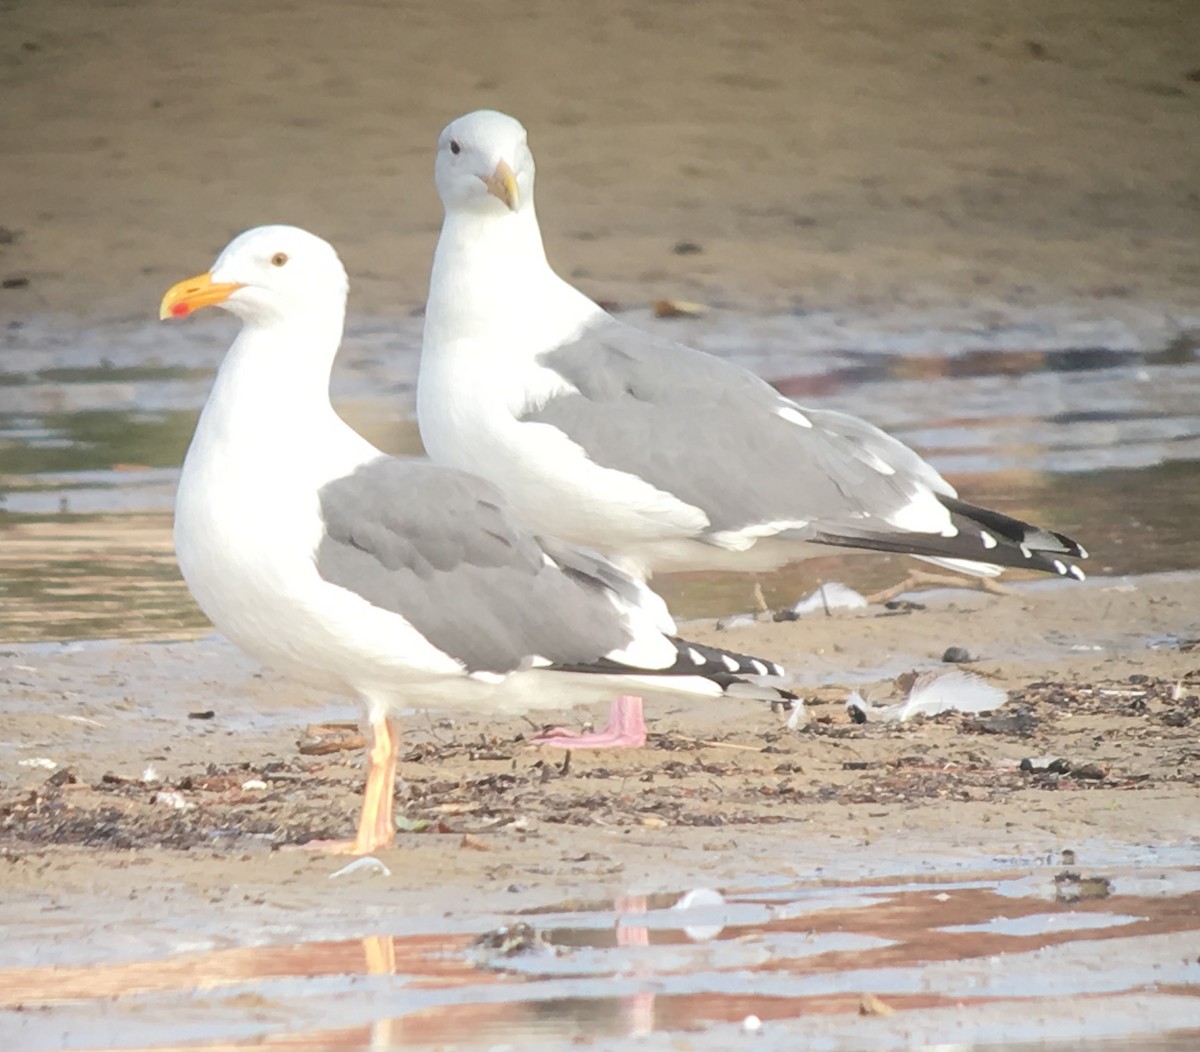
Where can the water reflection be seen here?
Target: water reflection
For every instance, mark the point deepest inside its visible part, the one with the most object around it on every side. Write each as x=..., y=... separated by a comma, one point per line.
x=1101, y=442
x=944, y=956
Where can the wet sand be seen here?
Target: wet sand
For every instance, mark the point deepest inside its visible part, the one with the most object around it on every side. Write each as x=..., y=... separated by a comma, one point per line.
x=816, y=155
x=183, y=774
x=864, y=162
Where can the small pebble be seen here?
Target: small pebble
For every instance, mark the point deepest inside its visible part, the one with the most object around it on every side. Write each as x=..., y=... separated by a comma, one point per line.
x=956, y=655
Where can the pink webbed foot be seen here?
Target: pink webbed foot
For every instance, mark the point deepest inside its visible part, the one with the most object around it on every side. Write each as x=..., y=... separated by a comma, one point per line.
x=626, y=729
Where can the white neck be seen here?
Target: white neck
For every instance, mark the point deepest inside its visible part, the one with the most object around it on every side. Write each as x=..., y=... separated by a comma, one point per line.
x=271, y=395
x=491, y=279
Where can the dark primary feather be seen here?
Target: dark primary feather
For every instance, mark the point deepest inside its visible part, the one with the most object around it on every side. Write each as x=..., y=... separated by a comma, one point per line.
x=1017, y=544
x=713, y=664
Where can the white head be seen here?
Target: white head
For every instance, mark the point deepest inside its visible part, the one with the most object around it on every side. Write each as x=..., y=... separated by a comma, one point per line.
x=267, y=274
x=484, y=165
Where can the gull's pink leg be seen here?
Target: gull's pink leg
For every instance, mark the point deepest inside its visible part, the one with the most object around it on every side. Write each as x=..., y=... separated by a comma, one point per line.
x=626, y=730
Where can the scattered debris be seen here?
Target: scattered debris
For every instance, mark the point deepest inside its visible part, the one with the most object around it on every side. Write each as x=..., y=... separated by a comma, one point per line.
x=368, y=865
x=172, y=799
x=42, y=762
x=320, y=739
x=869, y=1004
x=831, y=596
x=1045, y=765
x=736, y=621
x=1015, y=724
x=678, y=309
x=1070, y=886
x=743, y=776
x=514, y=940
x=799, y=715
x=63, y=776
x=929, y=694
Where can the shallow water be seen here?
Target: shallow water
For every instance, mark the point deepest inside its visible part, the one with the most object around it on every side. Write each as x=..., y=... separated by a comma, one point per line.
x=869, y=952
x=1087, y=425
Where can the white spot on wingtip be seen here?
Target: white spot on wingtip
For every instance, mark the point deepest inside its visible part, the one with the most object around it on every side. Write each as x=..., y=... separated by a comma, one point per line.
x=1059, y=566
x=793, y=415
x=1082, y=551
x=695, y=655
x=1077, y=573
x=758, y=666
x=730, y=664
x=1026, y=552
x=988, y=540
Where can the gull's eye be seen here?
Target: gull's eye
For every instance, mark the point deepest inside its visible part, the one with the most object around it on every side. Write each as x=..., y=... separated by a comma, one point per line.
x=454, y=147
x=279, y=259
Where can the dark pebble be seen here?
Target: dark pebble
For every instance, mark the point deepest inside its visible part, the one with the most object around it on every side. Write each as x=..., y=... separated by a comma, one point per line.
x=687, y=248
x=207, y=714
x=956, y=655
x=1018, y=723
x=14, y=283
x=1090, y=772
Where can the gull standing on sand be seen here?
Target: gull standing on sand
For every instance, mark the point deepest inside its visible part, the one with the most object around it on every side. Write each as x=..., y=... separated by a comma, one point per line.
x=395, y=580
x=659, y=455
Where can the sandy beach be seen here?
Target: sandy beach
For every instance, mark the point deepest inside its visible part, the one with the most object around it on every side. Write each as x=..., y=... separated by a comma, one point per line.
x=764, y=158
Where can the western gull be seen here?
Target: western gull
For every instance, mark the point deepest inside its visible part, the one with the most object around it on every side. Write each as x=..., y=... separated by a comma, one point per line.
x=659, y=455
x=395, y=580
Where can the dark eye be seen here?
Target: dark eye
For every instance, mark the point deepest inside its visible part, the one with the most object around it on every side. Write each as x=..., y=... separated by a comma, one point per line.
x=454, y=147
x=279, y=259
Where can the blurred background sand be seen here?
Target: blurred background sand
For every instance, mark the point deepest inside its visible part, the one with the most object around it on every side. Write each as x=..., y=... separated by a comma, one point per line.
x=818, y=152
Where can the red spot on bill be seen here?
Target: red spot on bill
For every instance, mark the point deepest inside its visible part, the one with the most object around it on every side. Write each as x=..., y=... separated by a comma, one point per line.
x=180, y=310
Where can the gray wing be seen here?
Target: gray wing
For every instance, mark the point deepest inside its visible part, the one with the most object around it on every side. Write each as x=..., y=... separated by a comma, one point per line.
x=711, y=433
x=723, y=440
x=437, y=547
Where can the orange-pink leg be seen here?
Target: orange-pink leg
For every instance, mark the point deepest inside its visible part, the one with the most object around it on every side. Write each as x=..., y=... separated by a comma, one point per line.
x=626, y=730
x=376, y=824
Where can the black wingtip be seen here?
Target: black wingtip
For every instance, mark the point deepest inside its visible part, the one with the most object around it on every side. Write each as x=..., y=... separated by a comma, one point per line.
x=723, y=667
x=982, y=536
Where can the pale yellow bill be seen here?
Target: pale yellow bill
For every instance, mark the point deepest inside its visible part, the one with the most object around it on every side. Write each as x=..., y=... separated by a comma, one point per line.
x=502, y=183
